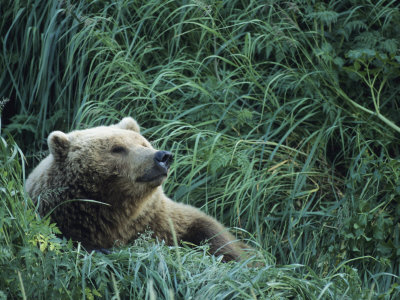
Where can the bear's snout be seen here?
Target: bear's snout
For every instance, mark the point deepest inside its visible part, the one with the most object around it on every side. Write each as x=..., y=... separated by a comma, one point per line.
x=158, y=172
x=163, y=159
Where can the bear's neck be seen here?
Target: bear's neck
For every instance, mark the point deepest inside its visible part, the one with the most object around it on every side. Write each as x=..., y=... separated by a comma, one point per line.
x=129, y=204
x=123, y=222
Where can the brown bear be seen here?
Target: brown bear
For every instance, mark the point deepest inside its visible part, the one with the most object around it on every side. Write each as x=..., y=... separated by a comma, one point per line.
x=102, y=186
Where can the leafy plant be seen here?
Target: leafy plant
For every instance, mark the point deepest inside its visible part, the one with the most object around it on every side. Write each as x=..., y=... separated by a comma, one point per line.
x=283, y=118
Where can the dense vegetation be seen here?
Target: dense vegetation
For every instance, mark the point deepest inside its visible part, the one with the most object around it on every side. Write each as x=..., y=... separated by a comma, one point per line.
x=283, y=117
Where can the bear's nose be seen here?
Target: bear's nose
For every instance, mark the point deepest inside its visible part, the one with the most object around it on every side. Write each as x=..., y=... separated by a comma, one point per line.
x=163, y=159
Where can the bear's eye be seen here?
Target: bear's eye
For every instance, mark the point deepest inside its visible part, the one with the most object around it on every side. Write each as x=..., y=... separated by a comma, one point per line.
x=118, y=149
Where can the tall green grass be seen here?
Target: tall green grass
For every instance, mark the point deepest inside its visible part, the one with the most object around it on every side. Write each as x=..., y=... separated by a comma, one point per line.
x=283, y=119
x=36, y=264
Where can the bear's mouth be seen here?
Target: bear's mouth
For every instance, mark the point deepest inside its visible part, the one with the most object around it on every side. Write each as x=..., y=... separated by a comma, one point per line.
x=154, y=175
x=151, y=178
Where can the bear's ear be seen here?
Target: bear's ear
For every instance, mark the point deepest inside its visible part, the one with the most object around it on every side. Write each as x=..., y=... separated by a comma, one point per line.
x=129, y=124
x=58, y=145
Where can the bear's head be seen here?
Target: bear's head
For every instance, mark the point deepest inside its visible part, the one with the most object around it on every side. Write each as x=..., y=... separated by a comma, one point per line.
x=108, y=162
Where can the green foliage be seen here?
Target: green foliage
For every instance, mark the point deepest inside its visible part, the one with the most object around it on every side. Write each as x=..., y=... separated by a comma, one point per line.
x=37, y=264
x=283, y=118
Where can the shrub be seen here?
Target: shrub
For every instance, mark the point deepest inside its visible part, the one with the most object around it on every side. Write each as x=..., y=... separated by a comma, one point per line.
x=283, y=116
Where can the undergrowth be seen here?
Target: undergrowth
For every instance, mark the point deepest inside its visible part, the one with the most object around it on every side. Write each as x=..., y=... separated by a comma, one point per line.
x=283, y=118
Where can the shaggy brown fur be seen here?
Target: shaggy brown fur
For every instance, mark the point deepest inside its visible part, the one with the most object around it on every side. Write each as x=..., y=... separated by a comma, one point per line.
x=117, y=168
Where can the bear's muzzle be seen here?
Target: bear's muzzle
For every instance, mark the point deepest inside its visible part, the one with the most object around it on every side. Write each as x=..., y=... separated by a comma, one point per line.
x=162, y=161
